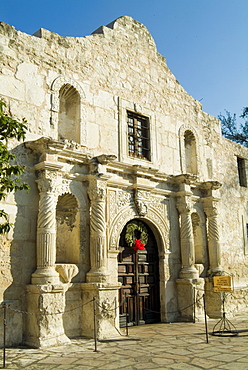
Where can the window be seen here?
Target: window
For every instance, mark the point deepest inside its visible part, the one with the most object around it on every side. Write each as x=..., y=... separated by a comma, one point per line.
x=241, y=171
x=138, y=136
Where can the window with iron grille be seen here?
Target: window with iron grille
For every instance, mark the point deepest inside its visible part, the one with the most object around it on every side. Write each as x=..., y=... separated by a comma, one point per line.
x=138, y=136
x=242, y=172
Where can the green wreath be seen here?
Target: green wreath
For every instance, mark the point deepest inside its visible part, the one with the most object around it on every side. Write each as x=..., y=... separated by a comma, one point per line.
x=131, y=228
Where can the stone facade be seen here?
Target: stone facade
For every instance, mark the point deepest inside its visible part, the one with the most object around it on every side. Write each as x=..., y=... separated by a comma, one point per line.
x=88, y=180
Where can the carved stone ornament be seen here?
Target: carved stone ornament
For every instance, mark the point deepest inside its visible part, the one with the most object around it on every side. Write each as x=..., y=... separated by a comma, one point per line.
x=183, y=208
x=66, y=271
x=107, y=309
x=46, y=185
x=140, y=199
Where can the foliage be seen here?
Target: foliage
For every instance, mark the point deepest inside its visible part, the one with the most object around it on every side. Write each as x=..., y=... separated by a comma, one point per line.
x=10, y=172
x=233, y=130
x=134, y=227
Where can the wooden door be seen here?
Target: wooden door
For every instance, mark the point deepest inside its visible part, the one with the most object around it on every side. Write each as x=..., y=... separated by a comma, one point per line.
x=138, y=271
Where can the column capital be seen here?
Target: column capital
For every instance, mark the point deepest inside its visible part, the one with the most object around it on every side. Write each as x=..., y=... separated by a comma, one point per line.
x=211, y=211
x=46, y=185
x=97, y=188
x=184, y=208
x=210, y=205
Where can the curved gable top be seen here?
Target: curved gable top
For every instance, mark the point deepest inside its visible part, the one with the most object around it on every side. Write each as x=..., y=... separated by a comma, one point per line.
x=130, y=27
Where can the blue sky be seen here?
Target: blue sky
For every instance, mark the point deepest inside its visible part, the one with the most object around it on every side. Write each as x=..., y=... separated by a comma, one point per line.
x=205, y=42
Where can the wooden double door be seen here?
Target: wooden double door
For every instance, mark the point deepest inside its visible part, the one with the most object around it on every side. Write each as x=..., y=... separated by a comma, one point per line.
x=138, y=271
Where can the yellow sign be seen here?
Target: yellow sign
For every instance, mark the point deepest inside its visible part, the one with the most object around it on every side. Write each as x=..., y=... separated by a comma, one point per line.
x=222, y=284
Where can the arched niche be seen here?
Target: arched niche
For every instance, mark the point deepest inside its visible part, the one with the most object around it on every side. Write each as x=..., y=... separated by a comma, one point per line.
x=69, y=114
x=68, y=229
x=190, y=152
x=67, y=110
x=197, y=232
x=200, y=245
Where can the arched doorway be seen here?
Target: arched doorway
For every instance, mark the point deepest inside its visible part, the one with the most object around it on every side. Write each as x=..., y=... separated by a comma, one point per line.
x=138, y=271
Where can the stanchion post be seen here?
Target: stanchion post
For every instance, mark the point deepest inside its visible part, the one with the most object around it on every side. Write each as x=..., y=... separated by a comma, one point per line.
x=126, y=304
x=194, y=306
x=205, y=317
x=95, y=324
x=4, y=334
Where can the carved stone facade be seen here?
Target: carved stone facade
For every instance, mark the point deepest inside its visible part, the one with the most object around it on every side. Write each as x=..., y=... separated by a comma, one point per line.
x=113, y=139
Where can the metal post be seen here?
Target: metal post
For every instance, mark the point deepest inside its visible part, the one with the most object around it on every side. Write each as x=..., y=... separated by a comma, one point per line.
x=126, y=304
x=205, y=316
x=194, y=306
x=95, y=324
x=137, y=287
x=4, y=334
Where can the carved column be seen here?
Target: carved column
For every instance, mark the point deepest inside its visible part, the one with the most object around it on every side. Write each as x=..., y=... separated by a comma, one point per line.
x=210, y=201
x=189, y=281
x=46, y=235
x=98, y=249
x=213, y=238
x=187, y=243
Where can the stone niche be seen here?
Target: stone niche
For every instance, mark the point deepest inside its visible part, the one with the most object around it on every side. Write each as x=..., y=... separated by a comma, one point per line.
x=68, y=233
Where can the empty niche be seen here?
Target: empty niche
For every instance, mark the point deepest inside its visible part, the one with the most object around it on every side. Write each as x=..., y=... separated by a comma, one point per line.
x=69, y=114
x=190, y=152
x=68, y=229
x=201, y=258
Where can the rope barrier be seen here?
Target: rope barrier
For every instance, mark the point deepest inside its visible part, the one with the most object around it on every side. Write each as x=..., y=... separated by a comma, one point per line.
x=47, y=314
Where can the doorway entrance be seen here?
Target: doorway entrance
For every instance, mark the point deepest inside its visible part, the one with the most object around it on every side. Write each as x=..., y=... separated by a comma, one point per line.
x=138, y=271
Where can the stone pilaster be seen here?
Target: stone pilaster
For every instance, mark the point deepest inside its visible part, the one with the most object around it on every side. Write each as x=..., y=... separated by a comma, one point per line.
x=46, y=235
x=98, y=248
x=45, y=305
x=107, y=310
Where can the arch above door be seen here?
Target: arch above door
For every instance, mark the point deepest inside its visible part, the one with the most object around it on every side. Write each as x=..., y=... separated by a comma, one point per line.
x=154, y=220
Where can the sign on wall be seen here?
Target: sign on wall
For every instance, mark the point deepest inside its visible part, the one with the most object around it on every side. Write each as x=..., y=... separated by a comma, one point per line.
x=222, y=284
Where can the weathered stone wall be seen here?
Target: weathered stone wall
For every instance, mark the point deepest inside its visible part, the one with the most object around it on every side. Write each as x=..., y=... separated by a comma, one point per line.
x=115, y=69
x=115, y=63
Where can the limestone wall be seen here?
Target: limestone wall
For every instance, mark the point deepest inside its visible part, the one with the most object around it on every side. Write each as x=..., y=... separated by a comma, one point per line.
x=117, y=64
x=116, y=69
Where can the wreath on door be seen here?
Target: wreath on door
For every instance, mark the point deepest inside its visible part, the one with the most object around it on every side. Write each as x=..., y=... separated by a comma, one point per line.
x=132, y=241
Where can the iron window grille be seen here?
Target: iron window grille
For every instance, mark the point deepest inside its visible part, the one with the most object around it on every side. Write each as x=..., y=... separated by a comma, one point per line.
x=242, y=172
x=138, y=136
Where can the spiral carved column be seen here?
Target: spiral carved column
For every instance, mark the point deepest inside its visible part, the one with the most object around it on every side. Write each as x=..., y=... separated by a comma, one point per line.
x=98, y=251
x=187, y=243
x=213, y=239
x=46, y=236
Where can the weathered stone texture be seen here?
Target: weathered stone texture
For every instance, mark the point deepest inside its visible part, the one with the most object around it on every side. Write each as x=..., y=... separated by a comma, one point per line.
x=85, y=187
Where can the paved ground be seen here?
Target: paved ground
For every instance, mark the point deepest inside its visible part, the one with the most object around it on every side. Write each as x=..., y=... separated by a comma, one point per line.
x=158, y=346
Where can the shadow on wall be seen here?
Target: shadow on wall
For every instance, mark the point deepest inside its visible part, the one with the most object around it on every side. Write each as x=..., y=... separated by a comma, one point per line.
x=20, y=250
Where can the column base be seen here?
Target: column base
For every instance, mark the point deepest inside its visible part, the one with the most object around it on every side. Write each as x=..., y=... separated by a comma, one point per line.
x=107, y=310
x=190, y=301
x=189, y=272
x=45, y=307
x=43, y=276
x=213, y=301
x=97, y=277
